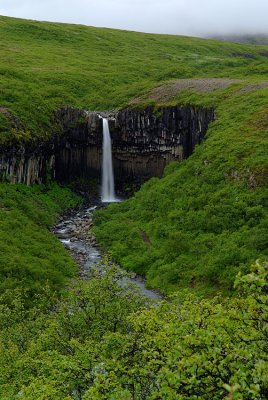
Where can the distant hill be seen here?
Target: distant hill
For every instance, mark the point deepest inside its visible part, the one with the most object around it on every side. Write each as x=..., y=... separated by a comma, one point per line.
x=246, y=39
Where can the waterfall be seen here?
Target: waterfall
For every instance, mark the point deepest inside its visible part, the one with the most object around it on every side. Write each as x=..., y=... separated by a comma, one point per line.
x=107, y=186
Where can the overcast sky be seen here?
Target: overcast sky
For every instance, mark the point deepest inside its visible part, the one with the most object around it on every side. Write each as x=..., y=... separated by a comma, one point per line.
x=183, y=17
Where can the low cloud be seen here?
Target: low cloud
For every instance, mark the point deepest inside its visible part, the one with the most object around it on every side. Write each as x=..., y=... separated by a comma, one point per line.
x=183, y=17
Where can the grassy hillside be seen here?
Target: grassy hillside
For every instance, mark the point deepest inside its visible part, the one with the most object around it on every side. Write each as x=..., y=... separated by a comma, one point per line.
x=44, y=66
x=31, y=259
x=207, y=218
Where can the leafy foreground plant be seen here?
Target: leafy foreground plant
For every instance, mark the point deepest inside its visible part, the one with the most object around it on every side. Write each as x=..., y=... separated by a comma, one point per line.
x=105, y=342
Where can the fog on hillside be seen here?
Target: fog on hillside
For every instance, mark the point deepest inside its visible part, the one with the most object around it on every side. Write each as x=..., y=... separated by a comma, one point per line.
x=182, y=17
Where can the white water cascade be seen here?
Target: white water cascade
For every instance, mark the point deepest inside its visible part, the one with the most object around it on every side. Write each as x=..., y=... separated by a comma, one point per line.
x=107, y=186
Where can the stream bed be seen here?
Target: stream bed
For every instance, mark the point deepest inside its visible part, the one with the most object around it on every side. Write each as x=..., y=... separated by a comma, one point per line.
x=73, y=232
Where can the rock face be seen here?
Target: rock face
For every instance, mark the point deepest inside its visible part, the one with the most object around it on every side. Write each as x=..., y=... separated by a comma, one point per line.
x=144, y=142
x=26, y=163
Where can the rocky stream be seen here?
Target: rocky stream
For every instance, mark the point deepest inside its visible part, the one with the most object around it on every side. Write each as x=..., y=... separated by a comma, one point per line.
x=74, y=233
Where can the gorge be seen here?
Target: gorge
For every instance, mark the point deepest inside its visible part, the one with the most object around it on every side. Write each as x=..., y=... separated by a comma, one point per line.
x=144, y=142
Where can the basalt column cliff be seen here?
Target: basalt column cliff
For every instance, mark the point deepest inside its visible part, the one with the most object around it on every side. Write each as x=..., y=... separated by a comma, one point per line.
x=144, y=142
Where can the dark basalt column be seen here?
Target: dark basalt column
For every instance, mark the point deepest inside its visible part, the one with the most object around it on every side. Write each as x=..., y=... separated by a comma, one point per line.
x=27, y=163
x=144, y=142
x=78, y=149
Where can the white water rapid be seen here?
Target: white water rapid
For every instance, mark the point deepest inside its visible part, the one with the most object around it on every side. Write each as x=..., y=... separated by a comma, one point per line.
x=107, y=185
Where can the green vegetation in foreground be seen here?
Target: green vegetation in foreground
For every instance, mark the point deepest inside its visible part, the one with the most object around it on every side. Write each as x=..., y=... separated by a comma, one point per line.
x=32, y=260
x=207, y=218
x=105, y=343
x=45, y=66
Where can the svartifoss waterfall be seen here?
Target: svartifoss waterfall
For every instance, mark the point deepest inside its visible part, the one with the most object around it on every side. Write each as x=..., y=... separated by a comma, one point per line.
x=107, y=186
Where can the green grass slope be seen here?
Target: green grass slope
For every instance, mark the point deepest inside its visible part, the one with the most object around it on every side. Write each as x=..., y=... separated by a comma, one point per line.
x=44, y=66
x=31, y=258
